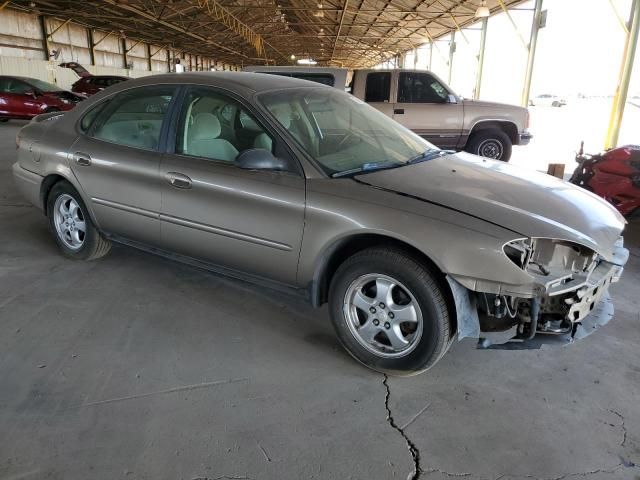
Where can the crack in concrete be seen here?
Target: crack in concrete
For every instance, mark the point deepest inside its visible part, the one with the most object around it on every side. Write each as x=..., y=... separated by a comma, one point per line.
x=413, y=450
x=622, y=426
x=505, y=476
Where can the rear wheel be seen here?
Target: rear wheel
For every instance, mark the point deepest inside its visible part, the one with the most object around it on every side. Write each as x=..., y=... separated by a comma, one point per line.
x=389, y=312
x=490, y=143
x=71, y=224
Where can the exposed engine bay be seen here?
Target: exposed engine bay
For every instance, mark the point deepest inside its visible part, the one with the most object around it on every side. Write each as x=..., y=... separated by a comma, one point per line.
x=570, y=282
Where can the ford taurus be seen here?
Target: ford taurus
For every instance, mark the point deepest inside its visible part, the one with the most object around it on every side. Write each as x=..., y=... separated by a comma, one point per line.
x=286, y=182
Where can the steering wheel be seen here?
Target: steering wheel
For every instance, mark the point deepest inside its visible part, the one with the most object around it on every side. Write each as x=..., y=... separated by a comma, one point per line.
x=344, y=140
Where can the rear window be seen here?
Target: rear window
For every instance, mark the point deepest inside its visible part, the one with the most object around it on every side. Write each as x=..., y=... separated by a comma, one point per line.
x=378, y=87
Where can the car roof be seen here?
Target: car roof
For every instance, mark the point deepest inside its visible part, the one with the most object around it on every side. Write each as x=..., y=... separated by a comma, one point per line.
x=234, y=81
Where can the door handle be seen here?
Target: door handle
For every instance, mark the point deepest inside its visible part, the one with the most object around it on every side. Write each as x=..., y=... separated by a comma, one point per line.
x=82, y=159
x=178, y=180
x=398, y=111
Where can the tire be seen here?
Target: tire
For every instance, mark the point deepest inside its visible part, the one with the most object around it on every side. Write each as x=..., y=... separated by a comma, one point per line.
x=490, y=143
x=366, y=276
x=65, y=211
x=4, y=120
x=555, y=104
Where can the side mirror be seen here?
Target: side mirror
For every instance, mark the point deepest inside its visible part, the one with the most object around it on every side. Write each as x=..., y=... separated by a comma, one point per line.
x=261, y=159
x=452, y=99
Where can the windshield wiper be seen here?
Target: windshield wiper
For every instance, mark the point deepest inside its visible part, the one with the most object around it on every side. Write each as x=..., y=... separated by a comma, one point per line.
x=429, y=155
x=367, y=167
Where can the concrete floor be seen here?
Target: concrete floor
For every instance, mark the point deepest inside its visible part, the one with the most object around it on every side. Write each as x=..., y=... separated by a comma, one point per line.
x=137, y=367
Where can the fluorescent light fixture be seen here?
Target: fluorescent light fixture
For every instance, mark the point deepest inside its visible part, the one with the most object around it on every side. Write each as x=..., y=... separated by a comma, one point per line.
x=483, y=10
x=307, y=61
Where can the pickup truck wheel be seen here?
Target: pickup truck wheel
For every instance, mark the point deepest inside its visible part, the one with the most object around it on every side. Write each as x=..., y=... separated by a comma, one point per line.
x=490, y=143
x=71, y=224
x=389, y=312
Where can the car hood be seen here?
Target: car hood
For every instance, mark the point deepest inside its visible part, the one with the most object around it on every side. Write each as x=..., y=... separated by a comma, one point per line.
x=529, y=203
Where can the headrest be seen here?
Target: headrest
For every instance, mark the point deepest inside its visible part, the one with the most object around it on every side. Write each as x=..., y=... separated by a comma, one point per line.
x=206, y=126
x=283, y=115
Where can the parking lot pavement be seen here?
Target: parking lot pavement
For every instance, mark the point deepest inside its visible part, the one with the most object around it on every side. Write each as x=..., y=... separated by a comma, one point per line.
x=137, y=367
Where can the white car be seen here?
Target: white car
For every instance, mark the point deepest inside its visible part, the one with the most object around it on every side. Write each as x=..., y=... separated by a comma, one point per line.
x=547, y=100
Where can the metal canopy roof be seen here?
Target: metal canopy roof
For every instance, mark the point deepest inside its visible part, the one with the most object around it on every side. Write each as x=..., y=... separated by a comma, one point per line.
x=352, y=33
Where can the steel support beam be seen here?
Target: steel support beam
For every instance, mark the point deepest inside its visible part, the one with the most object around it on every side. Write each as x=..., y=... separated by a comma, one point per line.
x=42, y=20
x=483, y=43
x=620, y=99
x=92, y=52
x=148, y=50
x=452, y=51
x=533, y=42
x=123, y=42
x=430, y=55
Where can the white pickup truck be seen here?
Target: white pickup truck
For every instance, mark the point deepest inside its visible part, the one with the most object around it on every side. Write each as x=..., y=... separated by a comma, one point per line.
x=422, y=102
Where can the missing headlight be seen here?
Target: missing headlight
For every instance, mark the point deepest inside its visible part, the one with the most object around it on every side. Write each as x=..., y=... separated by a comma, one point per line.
x=544, y=256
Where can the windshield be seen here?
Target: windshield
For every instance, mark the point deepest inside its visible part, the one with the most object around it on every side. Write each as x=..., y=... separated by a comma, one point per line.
x=44, y=86
x=342, y=133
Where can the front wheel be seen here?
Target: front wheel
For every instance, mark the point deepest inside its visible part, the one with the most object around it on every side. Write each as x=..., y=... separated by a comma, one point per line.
x=71, y=224
x=389, y=311
x=490, y=143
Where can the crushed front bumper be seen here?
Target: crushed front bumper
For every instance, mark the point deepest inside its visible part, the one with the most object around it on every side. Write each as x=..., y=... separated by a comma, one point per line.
x=586, y=297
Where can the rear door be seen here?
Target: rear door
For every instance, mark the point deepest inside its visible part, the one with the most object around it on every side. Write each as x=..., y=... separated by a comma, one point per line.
x=423, y=104
x=378, y=90
x=249, y=221
x=117, y=161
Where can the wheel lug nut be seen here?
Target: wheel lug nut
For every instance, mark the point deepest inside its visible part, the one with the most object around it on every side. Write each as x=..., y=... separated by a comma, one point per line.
x=387, y=325
x=376, y=322
x=372, y=310
x=381, y=305
x=391, y=315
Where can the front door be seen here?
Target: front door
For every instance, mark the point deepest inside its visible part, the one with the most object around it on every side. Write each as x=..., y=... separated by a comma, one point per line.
x=117, y=162
x=249, y=221
x=424, y=105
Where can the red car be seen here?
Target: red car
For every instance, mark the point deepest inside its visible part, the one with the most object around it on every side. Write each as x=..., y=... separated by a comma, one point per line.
x=88, y=86
x=22, y=97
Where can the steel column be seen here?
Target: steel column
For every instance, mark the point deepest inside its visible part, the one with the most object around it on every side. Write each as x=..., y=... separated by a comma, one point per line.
x=92, y=52
x=123, y=42
x=452, y=50
x=533, y=41
x=483, y=42
x=148, y=49
x=626, y=69
x=430, y=54
x=45, y=37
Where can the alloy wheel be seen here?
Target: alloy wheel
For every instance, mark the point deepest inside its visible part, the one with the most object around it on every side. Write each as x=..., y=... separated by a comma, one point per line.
x=383, y=315
x=69, y=221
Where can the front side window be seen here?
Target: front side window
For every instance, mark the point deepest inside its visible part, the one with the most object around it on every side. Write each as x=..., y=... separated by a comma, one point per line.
x=418, y=87
x=341, y=132
x=217, y=127
x=134, y=118
x=378, y=88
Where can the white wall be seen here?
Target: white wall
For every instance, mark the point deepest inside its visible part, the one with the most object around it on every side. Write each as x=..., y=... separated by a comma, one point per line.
x=21, y=51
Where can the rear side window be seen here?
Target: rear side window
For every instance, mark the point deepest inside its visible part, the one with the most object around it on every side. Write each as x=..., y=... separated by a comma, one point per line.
x=417, y=87
x=378, y=87
x=90, y=117
x=134, y=118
